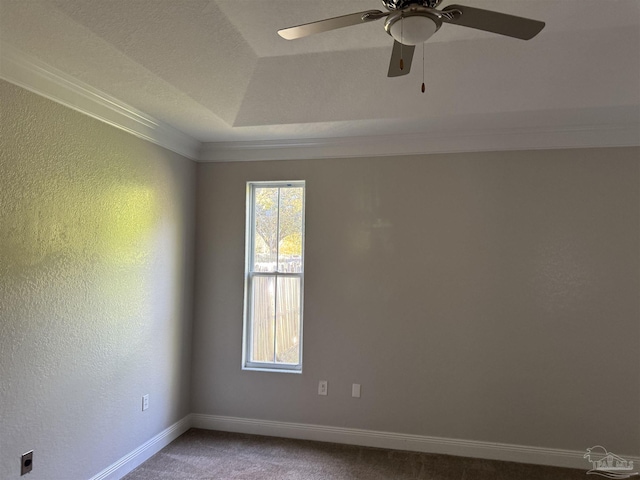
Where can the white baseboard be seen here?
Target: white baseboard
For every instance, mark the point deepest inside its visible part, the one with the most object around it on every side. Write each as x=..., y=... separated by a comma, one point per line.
x=145, y=451
x=397, y=441
x=350, y=436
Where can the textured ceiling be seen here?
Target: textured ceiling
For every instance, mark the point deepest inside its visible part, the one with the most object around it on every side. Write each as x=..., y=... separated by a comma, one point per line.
x=218, y=71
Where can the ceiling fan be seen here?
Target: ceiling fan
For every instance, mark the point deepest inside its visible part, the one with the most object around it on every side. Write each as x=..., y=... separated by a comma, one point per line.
x=411, y=22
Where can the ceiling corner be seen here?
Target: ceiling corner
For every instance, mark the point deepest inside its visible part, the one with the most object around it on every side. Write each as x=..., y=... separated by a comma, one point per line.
x=27, y=72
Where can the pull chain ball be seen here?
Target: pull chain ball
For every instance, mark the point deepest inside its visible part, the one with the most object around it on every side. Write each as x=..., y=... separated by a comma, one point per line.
x=401, y=44
x=423, y=88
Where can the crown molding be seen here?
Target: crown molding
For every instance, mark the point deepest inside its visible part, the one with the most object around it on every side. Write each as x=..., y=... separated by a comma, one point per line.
x=27, y=72
x=544, y=138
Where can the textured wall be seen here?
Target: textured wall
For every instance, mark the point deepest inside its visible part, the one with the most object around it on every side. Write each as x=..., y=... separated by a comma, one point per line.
x=96, y=266
x=490, y=297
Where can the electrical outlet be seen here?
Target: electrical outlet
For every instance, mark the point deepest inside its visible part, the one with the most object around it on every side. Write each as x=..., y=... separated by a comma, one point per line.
x=145, y=402
x=322, y=387
x=26, y=463
x=355, y=390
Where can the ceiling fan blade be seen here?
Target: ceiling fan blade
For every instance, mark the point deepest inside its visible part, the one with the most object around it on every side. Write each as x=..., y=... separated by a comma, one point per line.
x=404, y=52
x=489, y=21
x=320, y=26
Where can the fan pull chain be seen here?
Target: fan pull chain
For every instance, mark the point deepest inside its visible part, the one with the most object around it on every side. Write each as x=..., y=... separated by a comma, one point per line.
x=423, y=89
x=401, y=40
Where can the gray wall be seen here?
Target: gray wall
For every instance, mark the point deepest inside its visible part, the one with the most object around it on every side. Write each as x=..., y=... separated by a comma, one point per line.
x=480, y=296
x=489, y=296
x=96, y=289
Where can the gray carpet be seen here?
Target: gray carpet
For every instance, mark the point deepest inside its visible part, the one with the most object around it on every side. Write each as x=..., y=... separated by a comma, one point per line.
x=212, y=455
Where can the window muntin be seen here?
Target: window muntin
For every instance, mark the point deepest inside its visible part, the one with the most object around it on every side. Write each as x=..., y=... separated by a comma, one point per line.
x=274, y=276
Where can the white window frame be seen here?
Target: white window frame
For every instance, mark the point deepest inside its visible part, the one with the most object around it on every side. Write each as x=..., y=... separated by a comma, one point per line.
x=249, y=274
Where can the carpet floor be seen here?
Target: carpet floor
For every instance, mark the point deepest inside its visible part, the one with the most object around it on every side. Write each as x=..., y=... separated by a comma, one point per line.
x=213, y=455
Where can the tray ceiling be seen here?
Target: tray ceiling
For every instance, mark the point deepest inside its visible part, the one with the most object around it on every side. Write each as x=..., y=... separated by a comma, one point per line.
x=217, y=70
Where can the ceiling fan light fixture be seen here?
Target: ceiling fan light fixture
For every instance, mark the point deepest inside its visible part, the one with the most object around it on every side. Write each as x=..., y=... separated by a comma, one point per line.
x=412, y=27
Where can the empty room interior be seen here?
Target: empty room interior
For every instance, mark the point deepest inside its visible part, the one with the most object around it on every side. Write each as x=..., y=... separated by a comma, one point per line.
x=411, y=225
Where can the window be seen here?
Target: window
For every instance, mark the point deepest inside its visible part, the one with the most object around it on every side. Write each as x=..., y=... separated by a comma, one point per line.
x=274, y=276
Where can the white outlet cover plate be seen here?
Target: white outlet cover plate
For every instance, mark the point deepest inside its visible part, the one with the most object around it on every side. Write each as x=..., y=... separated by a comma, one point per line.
x=322, y=387
x=355, y=390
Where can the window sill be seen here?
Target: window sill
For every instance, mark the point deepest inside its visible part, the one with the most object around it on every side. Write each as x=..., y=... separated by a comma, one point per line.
x=273, y=370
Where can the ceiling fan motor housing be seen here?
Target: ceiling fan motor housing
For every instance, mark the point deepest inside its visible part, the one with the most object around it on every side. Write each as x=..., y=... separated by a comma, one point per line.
x=412, y=26
x=402, y=4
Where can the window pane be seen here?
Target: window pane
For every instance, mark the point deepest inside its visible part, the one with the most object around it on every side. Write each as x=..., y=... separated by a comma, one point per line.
x=265, y=249
x=275, y=266
x=263, y=310
x=290, y=231
x=288, y=320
